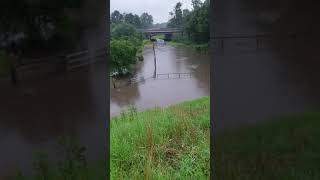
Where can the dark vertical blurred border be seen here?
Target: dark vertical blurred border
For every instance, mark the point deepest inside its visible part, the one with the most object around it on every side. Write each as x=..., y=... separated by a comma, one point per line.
x=108, y=88
x=212, y=119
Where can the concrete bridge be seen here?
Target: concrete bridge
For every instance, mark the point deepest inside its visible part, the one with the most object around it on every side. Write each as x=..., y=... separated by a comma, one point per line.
x=168, y=32
x=160, y=31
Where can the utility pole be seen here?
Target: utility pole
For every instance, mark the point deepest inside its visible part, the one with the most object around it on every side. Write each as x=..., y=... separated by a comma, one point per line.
x=155, y=62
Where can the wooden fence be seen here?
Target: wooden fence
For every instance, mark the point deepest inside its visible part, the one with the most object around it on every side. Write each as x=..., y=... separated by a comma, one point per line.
x=163, y=76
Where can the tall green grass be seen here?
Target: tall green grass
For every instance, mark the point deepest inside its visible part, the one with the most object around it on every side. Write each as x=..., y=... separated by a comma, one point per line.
x=170, y=143
x=199, y=48
x=285, y=149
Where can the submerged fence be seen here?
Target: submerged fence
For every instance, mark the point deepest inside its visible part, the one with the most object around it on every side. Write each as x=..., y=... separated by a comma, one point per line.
x=163, y=76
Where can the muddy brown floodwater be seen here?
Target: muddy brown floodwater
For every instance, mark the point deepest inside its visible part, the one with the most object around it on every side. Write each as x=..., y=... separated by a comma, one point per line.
x=36, y=113
x=163, y=92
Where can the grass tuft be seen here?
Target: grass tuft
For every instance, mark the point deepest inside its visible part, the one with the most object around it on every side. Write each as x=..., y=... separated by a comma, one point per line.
x=170, y=143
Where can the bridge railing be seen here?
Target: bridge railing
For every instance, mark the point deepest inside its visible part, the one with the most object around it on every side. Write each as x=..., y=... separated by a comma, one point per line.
x=160, y=30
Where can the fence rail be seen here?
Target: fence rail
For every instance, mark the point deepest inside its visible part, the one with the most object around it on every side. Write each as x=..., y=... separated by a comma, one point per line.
x=161, y=76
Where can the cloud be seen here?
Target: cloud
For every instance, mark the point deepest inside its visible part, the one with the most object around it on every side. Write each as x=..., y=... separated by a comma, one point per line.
x=158, y=9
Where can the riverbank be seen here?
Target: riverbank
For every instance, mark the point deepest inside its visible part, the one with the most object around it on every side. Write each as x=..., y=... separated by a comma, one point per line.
x=200, y=48
x=285, y=149
x=162, y=143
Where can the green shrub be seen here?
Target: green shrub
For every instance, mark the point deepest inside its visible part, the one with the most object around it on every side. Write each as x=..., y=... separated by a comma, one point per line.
x=123, y=30
x=123, y=55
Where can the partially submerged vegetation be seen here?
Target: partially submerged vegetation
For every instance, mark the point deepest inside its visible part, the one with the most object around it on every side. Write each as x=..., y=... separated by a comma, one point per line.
x=170, y=143
x=126, y=49
x=126, y=42
x=287, y=149
x=200, y=48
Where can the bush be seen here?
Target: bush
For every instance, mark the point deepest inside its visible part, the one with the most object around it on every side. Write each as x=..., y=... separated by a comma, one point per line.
x=180, y=38
x=123, y=30
x=123, y=55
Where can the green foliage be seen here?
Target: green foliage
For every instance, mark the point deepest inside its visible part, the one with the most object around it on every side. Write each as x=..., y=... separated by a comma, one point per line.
x=177, y=19
x=160, y=25
x=181, y=39
x=116, y=17
x=123, y=30
x=143, y=21
x=195, y=23
x=129, y=18
x=146, y=20
x=171, y=143
x=41, y=166
x=125, y=47
x=123, y=55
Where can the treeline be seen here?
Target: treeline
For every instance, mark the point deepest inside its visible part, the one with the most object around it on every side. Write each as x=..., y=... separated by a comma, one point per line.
x=145, y=20
x=126, y=42
x=194, y=23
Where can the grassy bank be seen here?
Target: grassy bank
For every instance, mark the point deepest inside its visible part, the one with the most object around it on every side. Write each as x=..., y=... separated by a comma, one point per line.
x=158, y=36
x=287, y=149
x=147, y=43
x=200, y=48
x=171, y=143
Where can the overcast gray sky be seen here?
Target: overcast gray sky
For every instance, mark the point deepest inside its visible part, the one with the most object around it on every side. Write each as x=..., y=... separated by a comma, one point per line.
x=159, y=9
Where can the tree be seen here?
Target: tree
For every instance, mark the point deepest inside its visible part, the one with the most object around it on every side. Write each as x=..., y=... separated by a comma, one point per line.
x=185, y=12
x=196, y=4
x=136, y=21
x=116, y=17
x=146, y=20
x=132, y=19
x=177, y=19
x=122, y=52
x=123, y=30
x=197, y=22
x=128, y=18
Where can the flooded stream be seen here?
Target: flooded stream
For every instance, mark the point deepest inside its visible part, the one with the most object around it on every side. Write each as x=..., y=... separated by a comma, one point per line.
x=36, y=113
x=163, y=92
